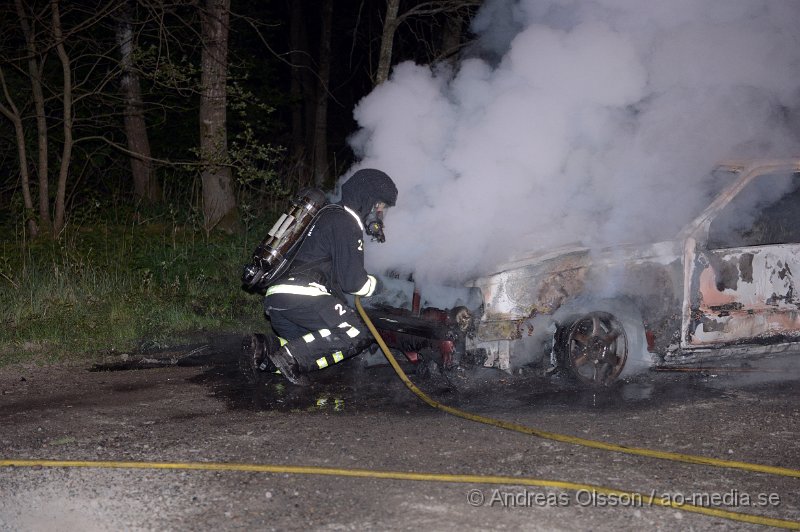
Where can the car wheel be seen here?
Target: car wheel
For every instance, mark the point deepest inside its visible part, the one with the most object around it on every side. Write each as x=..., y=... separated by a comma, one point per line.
x=596, y=348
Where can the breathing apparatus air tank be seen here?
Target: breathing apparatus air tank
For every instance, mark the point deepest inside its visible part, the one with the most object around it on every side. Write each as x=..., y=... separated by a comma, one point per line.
x=275, y=253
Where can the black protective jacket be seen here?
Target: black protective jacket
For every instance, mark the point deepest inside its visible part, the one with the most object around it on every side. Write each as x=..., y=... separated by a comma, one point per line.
x=333, y=251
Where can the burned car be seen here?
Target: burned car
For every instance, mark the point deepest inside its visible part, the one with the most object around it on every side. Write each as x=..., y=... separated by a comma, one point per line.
x=431, y=330
x=723, y=286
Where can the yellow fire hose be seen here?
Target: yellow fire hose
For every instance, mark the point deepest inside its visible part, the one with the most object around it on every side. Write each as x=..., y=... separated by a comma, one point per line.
x=664, y=455
x=636, y=499
x=650, y=453
x=640, y=499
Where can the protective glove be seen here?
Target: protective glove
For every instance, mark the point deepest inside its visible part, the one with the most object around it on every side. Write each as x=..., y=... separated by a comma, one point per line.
x=379, y=286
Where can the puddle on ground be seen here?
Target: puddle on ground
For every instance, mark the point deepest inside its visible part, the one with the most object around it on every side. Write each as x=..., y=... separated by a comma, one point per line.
x=339, y=390
x=350, y=387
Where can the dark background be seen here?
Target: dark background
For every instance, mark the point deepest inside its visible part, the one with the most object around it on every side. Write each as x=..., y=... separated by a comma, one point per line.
x=262, y=61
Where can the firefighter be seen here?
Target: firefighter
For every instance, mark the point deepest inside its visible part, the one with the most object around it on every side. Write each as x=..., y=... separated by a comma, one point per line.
x=306, y=306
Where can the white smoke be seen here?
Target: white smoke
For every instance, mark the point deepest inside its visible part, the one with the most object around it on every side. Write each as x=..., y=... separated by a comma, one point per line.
x=590, y=121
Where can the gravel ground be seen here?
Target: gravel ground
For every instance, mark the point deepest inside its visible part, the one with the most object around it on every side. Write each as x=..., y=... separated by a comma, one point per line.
x=357, y=418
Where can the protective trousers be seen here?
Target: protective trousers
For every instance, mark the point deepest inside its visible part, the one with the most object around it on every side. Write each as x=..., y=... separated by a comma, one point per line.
x=322, y=329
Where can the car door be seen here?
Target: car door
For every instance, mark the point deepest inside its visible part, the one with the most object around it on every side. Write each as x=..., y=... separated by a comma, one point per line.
x=744, y=278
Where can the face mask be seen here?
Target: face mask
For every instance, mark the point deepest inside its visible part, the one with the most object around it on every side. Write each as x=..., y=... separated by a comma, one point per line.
x=374, y=224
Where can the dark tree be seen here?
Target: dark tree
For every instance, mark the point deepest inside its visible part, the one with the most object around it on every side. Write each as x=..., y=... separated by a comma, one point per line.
x=145, y=185
x=219, y=199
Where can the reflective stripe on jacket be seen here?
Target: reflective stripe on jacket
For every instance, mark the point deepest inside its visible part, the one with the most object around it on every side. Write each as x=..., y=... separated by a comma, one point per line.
x=311, y=289
x=368, y=288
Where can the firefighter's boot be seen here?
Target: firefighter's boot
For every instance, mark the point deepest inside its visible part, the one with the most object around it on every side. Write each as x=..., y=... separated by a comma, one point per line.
x=288, y=366
x=255, y=348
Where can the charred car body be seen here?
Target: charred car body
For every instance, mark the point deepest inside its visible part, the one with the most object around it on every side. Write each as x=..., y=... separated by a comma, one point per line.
x=724, y=286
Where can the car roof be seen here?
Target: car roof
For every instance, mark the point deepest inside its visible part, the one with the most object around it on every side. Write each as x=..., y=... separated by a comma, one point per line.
x=744, y=171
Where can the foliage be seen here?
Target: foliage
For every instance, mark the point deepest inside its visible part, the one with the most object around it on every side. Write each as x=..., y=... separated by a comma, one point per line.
x=253, y=161
x=111, y=288
x=121, y=272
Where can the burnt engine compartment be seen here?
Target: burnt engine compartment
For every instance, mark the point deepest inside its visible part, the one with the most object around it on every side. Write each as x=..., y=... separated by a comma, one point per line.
x=434, y=327
x=436, y=333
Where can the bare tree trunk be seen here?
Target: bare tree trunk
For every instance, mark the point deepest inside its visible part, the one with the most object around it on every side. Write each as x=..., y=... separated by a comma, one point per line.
x=390, y=23
x=451, y=38
x=145, y=186
x=310, y=87
x=219, y=200
x=66, y=153
x=321, y=126
x=453, y=10
x=299, y=92
x=41, y=121
x=12, y=113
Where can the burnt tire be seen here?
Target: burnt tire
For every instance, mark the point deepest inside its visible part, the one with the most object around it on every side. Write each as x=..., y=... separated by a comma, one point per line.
x=599, y=344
